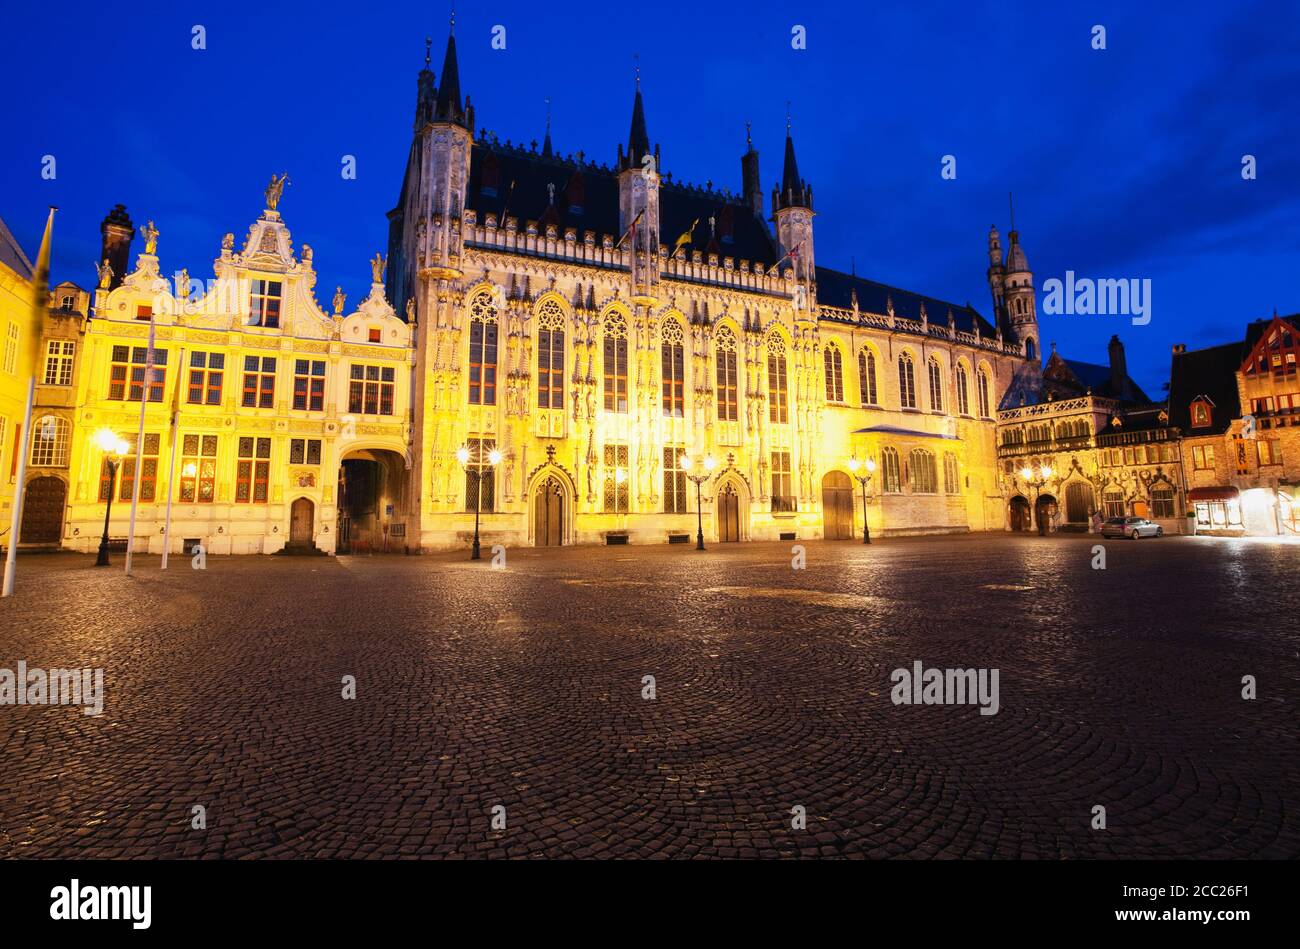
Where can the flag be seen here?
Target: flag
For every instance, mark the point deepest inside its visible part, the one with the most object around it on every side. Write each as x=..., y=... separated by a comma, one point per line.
x=685, y=238
x=631, y=231
x=792, y=254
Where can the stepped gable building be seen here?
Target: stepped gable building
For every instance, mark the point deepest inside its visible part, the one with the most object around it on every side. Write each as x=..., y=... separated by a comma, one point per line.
x=603, y=331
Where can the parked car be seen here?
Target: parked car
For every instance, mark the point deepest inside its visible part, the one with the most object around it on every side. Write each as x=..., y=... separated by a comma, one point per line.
x=1133, y=527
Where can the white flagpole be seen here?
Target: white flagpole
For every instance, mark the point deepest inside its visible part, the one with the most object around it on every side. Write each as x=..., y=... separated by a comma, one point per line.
x=139, y=445
x=171, y=463
x=15, y=522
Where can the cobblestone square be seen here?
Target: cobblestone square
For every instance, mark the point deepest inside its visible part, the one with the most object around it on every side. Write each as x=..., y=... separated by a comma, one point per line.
x=523, y=687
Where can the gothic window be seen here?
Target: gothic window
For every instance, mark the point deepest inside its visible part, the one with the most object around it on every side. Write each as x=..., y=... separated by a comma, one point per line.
x=867, y=378
x=890, y=476
x=963, y=393
x=782, y=487
x=674, y=480
x=1162, y=502
x=921, y=472
x=674, y=370
x=906, y=381
x=616, y=479
x=480, y=475
x=834, y=374
x=936, y=385
x=1030, y=350
x=615, y=363
x=984, y=393
x=482, y=350
x=950, y=483
x=50, y=439
x=727, y=388
x=550, y=355
x=778, y=405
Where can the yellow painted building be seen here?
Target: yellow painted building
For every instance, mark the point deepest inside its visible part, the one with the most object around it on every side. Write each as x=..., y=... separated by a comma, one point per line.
x=16, y=297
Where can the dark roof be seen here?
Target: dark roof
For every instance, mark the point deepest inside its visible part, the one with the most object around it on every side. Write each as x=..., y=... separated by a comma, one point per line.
x=1073, y=377
x=1211, y=373
x=1256, y=329
x=586, y=198
x=836, y=289
x=11, y=254
x=1138, y=418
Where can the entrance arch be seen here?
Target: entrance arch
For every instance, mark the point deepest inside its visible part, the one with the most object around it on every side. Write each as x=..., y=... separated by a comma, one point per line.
x=372, y=500
x=302, y=523
x=1045, y=510
x=43, y=505
x=837, y=506
x=1019, y=511
x=1078, y=502
x=550, y=507
x=732, y=499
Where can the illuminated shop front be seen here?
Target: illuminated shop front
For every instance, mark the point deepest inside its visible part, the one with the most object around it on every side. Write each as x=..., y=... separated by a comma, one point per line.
x=1217, y=509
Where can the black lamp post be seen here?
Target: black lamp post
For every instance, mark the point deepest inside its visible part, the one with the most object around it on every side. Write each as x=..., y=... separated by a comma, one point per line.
x=706, y=469
x=863, y=472
x=114, y=448
x=1036, y=478
x=494, y=458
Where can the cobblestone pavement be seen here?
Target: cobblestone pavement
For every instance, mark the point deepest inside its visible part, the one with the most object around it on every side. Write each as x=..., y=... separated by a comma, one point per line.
x=523, y=687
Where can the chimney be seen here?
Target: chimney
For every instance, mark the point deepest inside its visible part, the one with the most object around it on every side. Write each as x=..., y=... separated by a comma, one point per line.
x=1118, y=369
x=117, y=232
x=1180, y=348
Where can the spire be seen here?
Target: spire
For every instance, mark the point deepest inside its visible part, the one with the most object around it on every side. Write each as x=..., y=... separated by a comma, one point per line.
x=449, y=107
x=795, y=192
x=546, y=143
x=638, y=140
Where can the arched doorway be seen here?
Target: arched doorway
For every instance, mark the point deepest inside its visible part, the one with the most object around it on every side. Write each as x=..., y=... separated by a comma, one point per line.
x=1078, y=502
x=728, y=514
x=371, y=496
x=548, y=513
x=837, y=506
x=302, y=522
x=1020, y=520
x=1045, y=510
x=43, y=505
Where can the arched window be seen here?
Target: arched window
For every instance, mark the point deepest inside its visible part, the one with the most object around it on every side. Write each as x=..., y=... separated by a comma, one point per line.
x=834, y=374
x=906, y=381
x=674, y=370
x=950, y=484
x=890, y=477
x=50, y=438
x=1031, y=350
x=615, y=361
x=550, y=355
x=984, y=393
x=482, y=350
x=963, y=393
x=867, y=377
x=936, y=385
x=921, y=474
x=727, y=389
x=778, y=405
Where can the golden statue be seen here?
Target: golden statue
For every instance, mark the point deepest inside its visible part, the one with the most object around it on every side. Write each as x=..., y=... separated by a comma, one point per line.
x=377, y=268
x=275, y=189
x=339, y=299
x=150, y=235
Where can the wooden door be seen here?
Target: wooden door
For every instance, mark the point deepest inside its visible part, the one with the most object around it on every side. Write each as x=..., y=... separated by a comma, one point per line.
x=728, y=515
x=300, y=522
x=548, y=515
x=43, y=511
x=1020, y=520
x=837, y=506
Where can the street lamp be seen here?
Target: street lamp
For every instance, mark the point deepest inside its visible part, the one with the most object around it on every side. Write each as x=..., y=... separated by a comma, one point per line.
x=863, y=470
x=114, y=447
x=706, y=466
x=494, y=459
x=1036, y=478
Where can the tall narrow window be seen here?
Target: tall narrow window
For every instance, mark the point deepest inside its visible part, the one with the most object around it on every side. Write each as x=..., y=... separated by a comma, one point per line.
x=370, y=390
x=674, y=480
x=264, y=304
x=480, y=475
x=198, y=468
x=126, y=481
x=727, y=387
x=778, y=405
x=615, y=363
x=259, y=382
x=207, y=370
x=11, y=348
x=253, y=470
x=963, y=396
x=890, y=474
x=936, y=385
x=482, y=350
x=58, y=362
x=906, y=381
x=984, y=393
x=550, y=356
x=309, y=384
x=867, y=391
x=617, y=479
x=674, y=370
x=921, y=472
x=782, y=487
x=834, y=374
x=950, y=483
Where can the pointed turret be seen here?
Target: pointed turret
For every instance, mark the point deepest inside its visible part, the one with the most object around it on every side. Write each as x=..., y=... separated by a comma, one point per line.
x=638, y=140
x=751, y=183
x=449, y=107
x=795, y=192
x=426, y=92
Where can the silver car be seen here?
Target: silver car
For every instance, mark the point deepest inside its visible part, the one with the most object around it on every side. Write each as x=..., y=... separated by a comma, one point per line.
x=1133, y=527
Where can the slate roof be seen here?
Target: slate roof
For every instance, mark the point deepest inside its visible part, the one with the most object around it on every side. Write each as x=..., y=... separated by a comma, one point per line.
x=1211, y=373
x=1078, y=378
x=1139, y=418
x=835, y=288
x=11, y=254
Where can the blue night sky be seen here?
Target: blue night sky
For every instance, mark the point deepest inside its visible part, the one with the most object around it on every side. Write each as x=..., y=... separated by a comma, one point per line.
x=1125, y=163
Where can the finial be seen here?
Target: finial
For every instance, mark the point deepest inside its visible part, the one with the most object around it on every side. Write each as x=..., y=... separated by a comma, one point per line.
x=787, y=116
x=548, y=115
x=1012, y=204
x=636, y=66
x=453, y=20
x=749, y=139
x=428, y=44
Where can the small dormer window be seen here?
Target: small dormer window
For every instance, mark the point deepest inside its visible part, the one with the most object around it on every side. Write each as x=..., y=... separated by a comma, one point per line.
x=1201, y=414
x=264, y=304
x=144, y=311
x=376, y=334
x=67, y=303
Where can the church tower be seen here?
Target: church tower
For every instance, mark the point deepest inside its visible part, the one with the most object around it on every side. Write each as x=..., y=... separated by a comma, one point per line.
x=638, y=204
x=997, y=275
x=1018, y=294
x=792, y=208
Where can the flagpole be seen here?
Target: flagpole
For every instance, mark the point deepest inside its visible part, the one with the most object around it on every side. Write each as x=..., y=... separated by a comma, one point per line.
x=15, y=522
x=171, y=463
x=139, y=445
